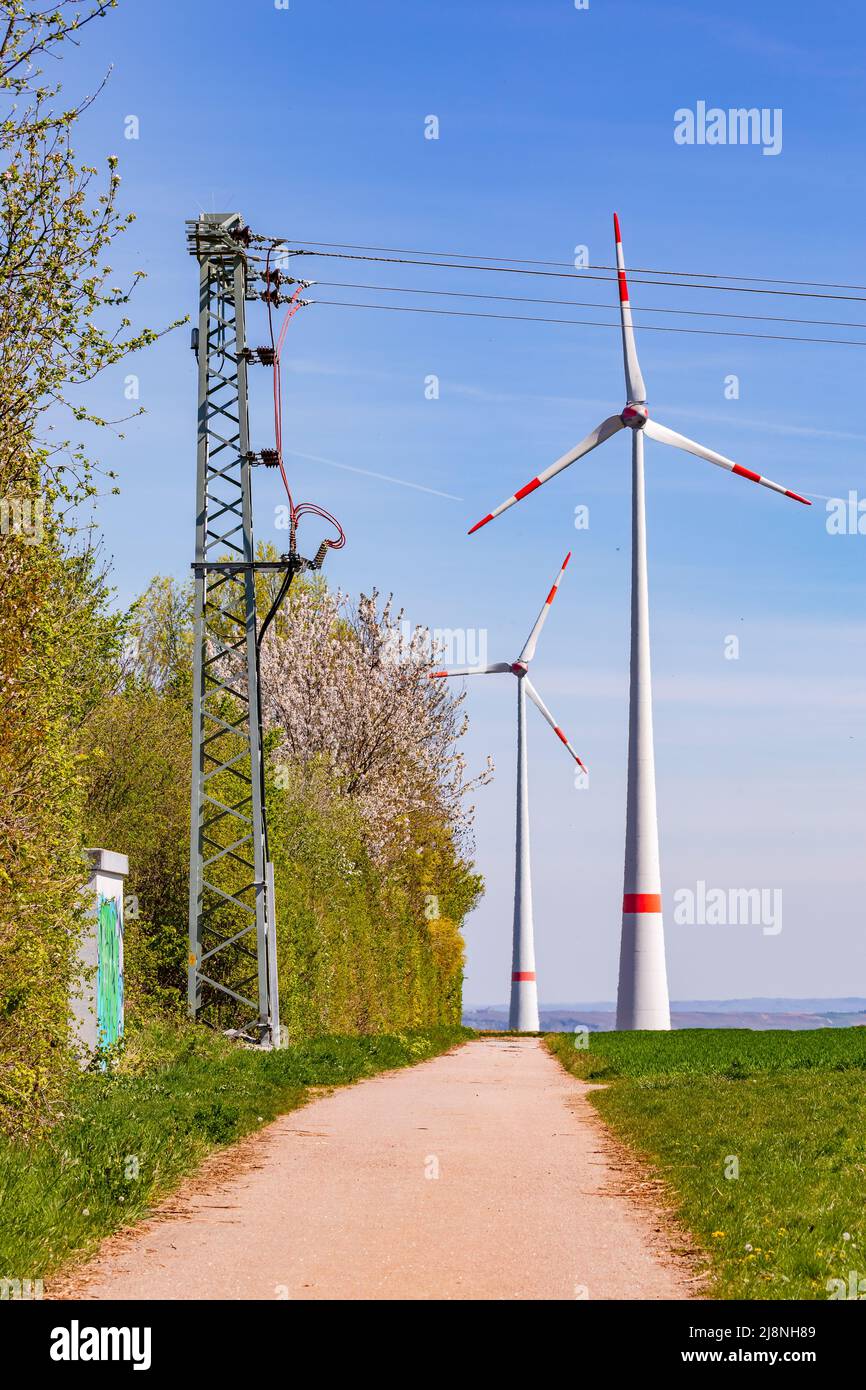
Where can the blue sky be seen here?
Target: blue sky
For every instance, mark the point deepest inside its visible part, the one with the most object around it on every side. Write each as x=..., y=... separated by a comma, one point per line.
x=310, y=121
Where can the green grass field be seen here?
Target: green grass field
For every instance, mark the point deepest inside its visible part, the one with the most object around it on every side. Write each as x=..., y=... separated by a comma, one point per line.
x=126, y=1139
x=784, y=1111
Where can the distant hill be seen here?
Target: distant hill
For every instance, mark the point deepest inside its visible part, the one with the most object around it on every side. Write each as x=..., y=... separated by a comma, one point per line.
x=793, y=1014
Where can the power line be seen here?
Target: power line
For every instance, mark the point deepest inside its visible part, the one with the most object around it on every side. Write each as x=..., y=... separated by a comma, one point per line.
x=586, y=323
x=566, y=265
x=584, y=304
x=578, y=275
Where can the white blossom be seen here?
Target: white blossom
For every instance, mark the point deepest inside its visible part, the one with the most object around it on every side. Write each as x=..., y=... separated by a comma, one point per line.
x=344, y=686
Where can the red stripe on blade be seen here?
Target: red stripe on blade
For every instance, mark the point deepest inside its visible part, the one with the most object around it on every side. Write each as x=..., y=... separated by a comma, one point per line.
x=747, y=473
x=797, y=498
x=642, y=902
x=616, y=230
x=432, y=675
x=523, y=975
x=483, y=522
x=560, y=734
x=623, y=288
x=524, y=491
x=551, y=596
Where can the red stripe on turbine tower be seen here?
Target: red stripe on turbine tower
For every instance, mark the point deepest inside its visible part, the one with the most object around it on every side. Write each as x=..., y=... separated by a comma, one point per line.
x=523, y=975
x=642, y=902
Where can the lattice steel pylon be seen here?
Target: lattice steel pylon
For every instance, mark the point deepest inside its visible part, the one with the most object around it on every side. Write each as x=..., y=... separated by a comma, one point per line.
x=232, y=936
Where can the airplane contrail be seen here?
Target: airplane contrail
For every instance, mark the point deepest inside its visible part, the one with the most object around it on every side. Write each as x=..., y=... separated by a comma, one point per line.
x=368, y=473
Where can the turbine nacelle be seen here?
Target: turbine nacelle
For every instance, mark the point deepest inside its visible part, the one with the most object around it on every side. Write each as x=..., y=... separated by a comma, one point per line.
x=519, y=668
x=635, y=415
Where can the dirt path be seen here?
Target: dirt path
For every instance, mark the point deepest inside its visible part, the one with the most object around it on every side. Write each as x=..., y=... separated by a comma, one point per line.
x=339, y=1200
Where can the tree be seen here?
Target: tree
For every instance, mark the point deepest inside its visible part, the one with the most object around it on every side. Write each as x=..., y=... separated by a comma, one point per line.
x=346, y=687
x=62, y=323
x=371, y=882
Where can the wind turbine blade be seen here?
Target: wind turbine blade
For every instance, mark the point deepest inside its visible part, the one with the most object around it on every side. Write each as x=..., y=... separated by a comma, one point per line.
x=679, y=441
x=532, y=640
x=471, y=671
x=634, y=382
x=539, y=703
x=592, y=441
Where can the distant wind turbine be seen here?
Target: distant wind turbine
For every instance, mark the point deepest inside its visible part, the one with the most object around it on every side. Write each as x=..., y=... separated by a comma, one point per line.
x=642, y=1000
x=523, y=1014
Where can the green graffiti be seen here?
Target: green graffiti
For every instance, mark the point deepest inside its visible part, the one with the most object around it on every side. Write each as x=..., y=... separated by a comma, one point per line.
x=109, y=974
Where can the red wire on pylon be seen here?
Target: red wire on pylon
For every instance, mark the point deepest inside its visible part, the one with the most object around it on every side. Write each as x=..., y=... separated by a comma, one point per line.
x=296, y=510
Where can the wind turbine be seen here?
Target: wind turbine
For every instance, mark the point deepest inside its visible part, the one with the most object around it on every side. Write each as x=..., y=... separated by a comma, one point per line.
x=523, y=1014
x=642, y=998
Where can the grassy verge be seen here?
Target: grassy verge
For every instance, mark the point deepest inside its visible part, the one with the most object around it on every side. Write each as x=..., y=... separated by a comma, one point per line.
x=784, y=1111
x=126, y=1139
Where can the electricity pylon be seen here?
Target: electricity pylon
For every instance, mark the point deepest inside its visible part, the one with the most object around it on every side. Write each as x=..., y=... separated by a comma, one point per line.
x=232, y=950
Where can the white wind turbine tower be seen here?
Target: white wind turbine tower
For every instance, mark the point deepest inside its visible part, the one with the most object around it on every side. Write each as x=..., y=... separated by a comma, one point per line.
x=523, y=1014
x=642, y=999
